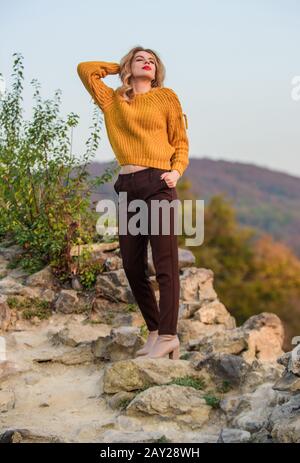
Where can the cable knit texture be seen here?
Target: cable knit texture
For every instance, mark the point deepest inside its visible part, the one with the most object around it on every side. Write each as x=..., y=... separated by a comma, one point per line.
x=149, y=131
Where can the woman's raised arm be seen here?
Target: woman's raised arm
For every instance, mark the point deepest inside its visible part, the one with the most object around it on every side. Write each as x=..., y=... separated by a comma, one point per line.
x=91, y=74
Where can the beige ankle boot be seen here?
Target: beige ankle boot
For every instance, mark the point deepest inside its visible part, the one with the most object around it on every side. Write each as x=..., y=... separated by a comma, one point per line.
x=165, y=344
x=147, y=346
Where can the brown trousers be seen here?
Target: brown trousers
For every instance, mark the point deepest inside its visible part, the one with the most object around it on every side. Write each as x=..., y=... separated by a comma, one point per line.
x=147, y=185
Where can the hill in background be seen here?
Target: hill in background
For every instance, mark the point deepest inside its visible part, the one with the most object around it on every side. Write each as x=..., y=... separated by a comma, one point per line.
x=264, y=199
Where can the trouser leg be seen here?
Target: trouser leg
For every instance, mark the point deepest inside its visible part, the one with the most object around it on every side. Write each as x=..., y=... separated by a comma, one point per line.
x=165, y=260
x=135, y=263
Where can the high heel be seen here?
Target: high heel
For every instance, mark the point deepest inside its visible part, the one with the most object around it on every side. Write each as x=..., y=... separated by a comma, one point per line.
x=174, y=355
x=165, y=344
x=149, y=343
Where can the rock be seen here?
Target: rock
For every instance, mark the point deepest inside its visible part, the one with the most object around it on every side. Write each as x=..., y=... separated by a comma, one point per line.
x=290, y=379
x=94, y=248
x=12, y=436
x=138, y=373
x=3, y=267
x=115, y=436
x=115, y=285
x=76, y=333
x=171, y=430
x=231, y=368
x=48, y=295
x=200, y=311
x=76, y=356
x=215, y=313
x=196, y=284
x=262, y=436
x=188, y=308
x=3, y=350
x=32, y=379
x=251, y=411
x=98, y=253
x=11, y=252
x=116, y=313
x=120, y=399
x=185, y=259
x=184, y=404
x=191, y=331
x=288, y=382
x=18, y=274
x=113, y=263
x=284, y=420
x=76, y=284
x=223, y=341
x=121, y=344
x=44, y=278
x=259, y=373
x=5, y=314
x=293, y=365
x=67, y=301
x=7, y=368
x=32, y=292
x=260, y=338
x=7, y=400
x=9, y=285
x=233, y=436
x=284, y=359
x=265, y=336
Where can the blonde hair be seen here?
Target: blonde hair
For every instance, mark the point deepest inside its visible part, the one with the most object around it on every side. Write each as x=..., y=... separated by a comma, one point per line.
x=126, y=90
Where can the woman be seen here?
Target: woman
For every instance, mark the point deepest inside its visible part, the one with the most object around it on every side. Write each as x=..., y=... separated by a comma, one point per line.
x=145, y=126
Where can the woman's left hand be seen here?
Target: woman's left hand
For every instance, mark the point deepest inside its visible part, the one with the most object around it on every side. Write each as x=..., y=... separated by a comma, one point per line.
x=171, y=178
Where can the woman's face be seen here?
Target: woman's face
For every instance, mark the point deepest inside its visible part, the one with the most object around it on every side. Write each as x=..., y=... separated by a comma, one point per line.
x=143, y=65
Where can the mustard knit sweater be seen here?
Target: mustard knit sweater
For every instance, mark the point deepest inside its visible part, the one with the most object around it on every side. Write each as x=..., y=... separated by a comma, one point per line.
x=149, y=131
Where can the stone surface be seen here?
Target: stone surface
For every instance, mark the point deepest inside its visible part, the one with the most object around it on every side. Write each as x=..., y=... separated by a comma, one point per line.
x=186, y=405
x=233, y=436
x=74, y=377
x=43, y=278
x=135, y=374
x=67, y=301
x=115, y=285
x=5, y=313
x=121, y=343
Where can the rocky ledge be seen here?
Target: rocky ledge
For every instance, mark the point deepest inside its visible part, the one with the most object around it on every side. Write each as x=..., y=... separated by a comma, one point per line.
x=68, y=371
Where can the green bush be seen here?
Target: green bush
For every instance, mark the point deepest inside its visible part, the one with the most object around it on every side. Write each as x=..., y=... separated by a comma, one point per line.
x=45, y=188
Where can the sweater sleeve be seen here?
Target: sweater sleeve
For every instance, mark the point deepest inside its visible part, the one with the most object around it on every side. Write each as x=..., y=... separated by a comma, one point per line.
x=91, y=73
x=177, y=134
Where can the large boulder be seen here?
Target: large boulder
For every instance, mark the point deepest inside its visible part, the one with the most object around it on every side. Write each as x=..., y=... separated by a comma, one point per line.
x=284, y=420
x=184, y=404
x=138, y=373
x=67, y=301
x=115, y=286
x=259, y=338
x=44, y=279
x=290, y=379
x=122, y=343
x=265, y=336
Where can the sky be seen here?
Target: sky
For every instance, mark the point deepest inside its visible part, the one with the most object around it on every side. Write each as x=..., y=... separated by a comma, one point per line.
x=231, y=63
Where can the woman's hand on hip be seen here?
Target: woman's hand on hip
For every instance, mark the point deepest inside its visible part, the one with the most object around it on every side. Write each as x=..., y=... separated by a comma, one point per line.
x=171, y=178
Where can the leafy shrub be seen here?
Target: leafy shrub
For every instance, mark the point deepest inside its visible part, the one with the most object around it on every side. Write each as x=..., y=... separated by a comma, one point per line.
x=45, y=188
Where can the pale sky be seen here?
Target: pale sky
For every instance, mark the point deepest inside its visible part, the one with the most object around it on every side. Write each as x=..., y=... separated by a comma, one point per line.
x=231, y=62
